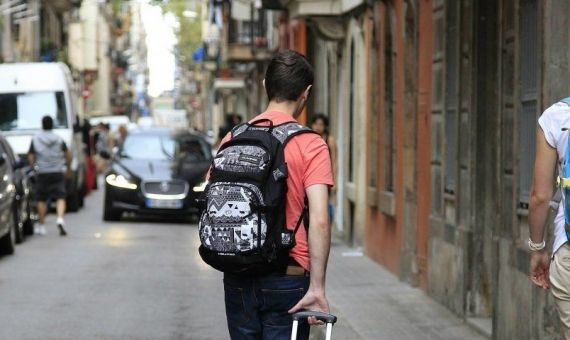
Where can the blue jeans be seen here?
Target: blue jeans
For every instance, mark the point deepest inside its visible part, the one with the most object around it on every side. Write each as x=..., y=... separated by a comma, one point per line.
x=256, y=307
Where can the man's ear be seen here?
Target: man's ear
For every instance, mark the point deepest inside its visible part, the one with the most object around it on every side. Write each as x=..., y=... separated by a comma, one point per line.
x=263, y=82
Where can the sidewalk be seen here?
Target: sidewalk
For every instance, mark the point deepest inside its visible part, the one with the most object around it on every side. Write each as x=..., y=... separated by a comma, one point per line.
x=372, y=303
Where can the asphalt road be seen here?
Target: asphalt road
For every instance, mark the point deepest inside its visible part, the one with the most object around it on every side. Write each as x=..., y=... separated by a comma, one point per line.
x=134, y=279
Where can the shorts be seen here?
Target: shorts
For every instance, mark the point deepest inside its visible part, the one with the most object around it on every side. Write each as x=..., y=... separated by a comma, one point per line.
x=50, y=186
x=560, y=285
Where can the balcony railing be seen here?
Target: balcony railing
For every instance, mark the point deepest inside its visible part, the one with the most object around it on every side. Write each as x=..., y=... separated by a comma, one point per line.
x=247, y=39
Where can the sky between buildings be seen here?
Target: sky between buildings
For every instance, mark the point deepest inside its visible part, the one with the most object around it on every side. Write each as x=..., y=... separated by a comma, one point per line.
x=160, y=41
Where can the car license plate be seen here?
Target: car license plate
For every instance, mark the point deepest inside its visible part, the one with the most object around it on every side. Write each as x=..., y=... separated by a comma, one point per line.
x=163, y=204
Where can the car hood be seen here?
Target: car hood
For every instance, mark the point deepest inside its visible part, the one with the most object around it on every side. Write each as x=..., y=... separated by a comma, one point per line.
x=162, y=170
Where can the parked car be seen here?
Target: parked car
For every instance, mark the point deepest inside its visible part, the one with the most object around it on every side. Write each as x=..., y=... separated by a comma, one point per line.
x=157, y=171
x=8, y=227
x=24, y=101
x=24, y=204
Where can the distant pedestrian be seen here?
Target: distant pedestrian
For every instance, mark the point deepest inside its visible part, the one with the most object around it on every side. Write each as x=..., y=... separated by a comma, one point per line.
x=320, y=124
x=120, y=136
x=102, y=143
x=255, y=225
x=51, y=159
x=552, y=271
x=232, y=120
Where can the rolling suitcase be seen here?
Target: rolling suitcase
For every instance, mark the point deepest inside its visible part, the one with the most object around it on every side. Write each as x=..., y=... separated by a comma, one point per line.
x=329, y=319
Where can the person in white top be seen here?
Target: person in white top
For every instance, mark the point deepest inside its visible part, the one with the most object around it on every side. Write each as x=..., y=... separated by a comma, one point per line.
x=550, y=270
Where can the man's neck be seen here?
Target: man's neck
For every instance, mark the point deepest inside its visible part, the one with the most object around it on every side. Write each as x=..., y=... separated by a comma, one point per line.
x=288, y=107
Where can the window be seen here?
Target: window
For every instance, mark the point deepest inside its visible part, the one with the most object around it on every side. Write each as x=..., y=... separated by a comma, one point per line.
x=389, y=138
x=373, y=119
x=24, y=111
x=351, y=117
x=155, y=147
x=451, y=96
x=529, y=95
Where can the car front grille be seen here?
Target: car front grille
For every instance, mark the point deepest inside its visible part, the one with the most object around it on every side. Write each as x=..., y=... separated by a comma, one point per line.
x=165, y=187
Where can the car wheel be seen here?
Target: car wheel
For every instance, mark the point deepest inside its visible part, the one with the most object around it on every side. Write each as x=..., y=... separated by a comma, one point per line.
x=29, y=226
x=18, y=229
x=73, y=201
x=8, y=241
x=29, y=222
x=110, y=214
x=82, y=197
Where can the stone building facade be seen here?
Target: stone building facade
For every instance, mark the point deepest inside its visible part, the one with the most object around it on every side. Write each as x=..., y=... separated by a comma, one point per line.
x=434, y=107
x=496, y=66
x=433, y=104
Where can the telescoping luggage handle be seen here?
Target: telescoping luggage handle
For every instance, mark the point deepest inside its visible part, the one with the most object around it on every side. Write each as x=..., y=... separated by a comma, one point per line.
x=329, y=319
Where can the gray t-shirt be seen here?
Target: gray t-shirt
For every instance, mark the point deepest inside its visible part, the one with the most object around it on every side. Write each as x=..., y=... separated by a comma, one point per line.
x=49, y=150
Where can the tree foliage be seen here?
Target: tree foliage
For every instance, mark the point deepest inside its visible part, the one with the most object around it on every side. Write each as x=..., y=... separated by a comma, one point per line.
x=189, y=30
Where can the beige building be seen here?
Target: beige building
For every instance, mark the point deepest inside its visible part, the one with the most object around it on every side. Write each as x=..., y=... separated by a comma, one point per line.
x=89, y=45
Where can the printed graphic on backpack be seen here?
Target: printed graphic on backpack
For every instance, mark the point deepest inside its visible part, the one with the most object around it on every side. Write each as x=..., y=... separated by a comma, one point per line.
x=242, y=223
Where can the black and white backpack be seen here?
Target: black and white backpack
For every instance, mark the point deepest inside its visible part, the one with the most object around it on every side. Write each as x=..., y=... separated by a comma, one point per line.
x=242, y=221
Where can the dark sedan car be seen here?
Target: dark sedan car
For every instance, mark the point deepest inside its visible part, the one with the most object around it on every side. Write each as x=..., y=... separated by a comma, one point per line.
x=23, y=201
x=157, y=171
x=8, y=225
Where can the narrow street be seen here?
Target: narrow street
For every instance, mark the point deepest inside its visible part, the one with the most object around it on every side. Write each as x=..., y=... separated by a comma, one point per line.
x=123, y=280
x=136, y=279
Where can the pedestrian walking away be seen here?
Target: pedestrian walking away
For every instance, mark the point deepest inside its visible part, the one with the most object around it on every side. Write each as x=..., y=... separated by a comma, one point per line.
x=264, y=219
x=552, y=271
x=320, y=124
x=51, y=159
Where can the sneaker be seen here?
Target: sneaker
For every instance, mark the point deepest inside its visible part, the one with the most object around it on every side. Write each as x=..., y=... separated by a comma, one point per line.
x=40, y=230
x=62, y=231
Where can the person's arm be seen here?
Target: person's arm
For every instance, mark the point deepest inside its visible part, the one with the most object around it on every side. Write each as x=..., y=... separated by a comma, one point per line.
x=332, y=147
x=31, y=155
x=319, y=247
x=541, y=194
x=68, y=159
x=319, y=234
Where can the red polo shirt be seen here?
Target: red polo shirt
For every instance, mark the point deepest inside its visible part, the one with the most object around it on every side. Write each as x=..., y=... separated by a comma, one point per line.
x=308, y=163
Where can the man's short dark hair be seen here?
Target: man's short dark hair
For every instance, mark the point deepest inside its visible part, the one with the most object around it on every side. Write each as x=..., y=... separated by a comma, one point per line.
x=47, y=123
x=288, y=75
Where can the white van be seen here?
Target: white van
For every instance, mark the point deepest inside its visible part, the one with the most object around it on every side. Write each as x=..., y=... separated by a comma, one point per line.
x=29, y=91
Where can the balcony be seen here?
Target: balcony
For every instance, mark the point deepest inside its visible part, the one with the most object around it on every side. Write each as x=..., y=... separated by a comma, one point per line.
x=304, y=8
x=246, y=53
x=249, y=38
x=61, y=6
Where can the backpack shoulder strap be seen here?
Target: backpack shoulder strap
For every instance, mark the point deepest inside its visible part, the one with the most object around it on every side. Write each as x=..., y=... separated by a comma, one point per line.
x=285, y=132
x=566, y=100
x=238, y=129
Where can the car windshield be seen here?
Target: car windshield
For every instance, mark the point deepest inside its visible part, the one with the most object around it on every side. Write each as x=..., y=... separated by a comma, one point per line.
x=163, y=147
x=24, y=111
x=156, y=147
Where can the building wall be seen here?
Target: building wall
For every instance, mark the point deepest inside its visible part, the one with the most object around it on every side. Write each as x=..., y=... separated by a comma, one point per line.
x=435, y=118
x=504, y=64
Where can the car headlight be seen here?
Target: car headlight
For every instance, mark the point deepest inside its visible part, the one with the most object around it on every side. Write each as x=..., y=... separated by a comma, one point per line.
x=200, y=187
x=120, y=181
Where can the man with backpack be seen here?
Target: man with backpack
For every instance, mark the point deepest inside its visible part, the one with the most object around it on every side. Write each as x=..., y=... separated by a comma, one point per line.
x=552, y=148
x=264, y=219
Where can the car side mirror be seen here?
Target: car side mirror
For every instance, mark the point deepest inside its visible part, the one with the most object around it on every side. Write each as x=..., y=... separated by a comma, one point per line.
x=76, y=126
x=21, y=162
x=105, y=154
